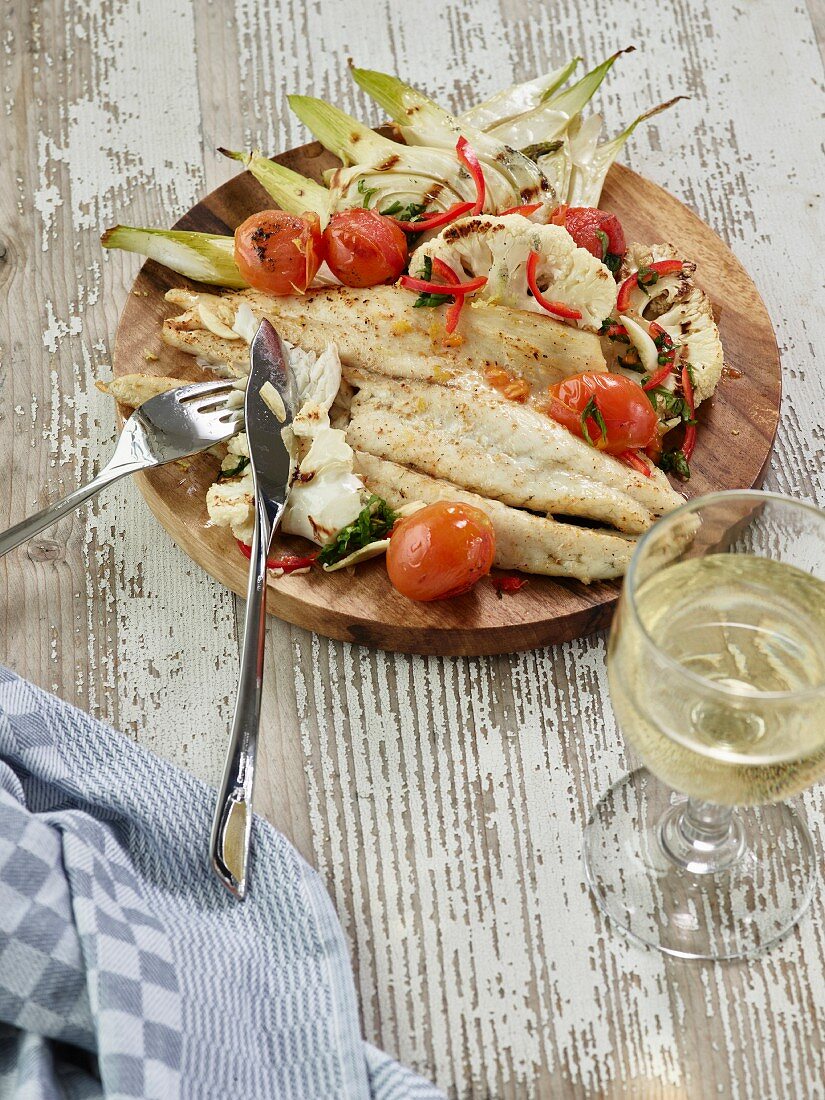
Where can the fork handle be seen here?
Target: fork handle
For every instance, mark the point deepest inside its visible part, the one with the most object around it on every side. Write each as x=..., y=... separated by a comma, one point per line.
x=33, y=525
x=232, y=823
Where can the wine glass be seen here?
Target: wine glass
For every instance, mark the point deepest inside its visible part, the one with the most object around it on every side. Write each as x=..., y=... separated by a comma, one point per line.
x=716, y=664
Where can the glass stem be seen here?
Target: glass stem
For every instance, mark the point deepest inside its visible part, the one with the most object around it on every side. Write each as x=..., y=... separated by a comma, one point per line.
x=702, y=837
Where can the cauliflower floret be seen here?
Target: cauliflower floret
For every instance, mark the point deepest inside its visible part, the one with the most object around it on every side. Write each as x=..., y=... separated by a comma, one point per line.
x=499, y=248
x=683, y=310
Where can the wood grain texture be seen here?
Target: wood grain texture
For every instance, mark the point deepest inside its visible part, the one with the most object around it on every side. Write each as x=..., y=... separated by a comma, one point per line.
x=442, y=799
x=736, y=432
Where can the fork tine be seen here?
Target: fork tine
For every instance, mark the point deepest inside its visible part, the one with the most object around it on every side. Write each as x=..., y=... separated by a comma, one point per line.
x=220, y=386
x=210, y=405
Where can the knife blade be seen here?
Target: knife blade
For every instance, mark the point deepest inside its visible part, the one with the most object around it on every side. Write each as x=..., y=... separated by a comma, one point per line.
x=270, y=405
x=268, y=453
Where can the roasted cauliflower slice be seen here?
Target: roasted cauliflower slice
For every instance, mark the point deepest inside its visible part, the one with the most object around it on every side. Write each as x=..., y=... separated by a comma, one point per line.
x=499, y=247
x=682, y=309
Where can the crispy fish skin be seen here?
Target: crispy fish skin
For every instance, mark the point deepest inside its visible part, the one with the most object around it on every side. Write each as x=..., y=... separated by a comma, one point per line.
x=501, y=450
x=377, y=328
x=532, y=544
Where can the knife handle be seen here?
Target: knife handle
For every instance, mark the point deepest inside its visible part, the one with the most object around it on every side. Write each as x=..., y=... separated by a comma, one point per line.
x=232, y=823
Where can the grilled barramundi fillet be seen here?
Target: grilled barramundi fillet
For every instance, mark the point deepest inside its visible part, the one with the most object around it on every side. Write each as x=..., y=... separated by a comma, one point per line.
x=379, y=329
x=134, y=389
x=533, y=544
x=504, y=451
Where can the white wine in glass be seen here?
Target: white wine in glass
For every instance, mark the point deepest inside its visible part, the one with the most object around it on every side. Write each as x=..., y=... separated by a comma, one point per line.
x=717, y=678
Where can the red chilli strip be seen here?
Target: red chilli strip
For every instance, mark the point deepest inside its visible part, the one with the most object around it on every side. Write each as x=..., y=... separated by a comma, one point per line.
x=690, y=430
x=526, y=210
x=559, y=215
x=425, y=286
x=467, y=156
x=559, y=309
x=660, y=375
x=444, y=271
x=434, y=221
x=631, y=459
x=616, y=331
x=660, y=267
x=288, y=563
x=507, y=582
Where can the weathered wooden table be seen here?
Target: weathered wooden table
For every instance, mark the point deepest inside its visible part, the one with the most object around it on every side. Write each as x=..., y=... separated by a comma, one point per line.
x=441, y=800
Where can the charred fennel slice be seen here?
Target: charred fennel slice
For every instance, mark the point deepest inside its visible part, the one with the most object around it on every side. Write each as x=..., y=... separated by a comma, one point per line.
x=532, y=140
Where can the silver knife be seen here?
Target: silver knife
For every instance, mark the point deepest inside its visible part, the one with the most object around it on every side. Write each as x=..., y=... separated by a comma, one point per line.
x=270, y=462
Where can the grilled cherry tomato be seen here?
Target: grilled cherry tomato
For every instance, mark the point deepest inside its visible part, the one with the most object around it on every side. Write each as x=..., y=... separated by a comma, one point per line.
x=585, y=223
x=440, y=551
x=278, y=252
x=363, y=248
x=612, y=410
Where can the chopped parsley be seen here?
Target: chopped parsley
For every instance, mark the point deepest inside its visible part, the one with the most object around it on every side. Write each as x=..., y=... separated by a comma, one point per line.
x=409, y=213
x=541, y=149
x=592, y=411
x=373, y=522
x=367, y=192
x=224, y=475
x=430, y=299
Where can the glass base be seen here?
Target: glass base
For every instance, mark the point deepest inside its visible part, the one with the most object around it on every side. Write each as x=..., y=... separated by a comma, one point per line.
x=658, y=885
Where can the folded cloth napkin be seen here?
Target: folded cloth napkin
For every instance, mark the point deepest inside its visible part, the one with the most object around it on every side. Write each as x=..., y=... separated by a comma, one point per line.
x=126, y=970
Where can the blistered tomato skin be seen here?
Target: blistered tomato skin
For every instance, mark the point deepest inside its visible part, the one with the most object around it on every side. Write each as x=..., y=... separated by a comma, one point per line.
x=363, y=248
x=279, y=253
x=440, y=551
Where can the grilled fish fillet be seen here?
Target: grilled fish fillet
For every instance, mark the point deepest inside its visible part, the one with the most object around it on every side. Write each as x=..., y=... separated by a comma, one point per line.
x=533, y=544
x=501, y=450
x=378, y=329
x=134, y=389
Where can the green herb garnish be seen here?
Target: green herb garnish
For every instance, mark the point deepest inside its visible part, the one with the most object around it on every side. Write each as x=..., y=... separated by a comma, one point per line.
x=591, y=409
x=409, y=213
x=631, y=361
x=670, y=404
x=427, y=299
x=541, y=149
x=674, y=462
x=224, y=475
x=612, y=261
x=646, y=277
x=367, y=192
x=372, y=523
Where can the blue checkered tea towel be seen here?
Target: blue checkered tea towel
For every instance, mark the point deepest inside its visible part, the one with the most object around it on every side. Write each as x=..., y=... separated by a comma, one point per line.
x=126, y=970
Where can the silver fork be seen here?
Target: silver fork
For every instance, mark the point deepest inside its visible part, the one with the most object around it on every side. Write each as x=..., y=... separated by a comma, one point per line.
x=172, y=425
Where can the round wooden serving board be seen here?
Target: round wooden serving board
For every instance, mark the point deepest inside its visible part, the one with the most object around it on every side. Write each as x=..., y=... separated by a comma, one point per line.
x=735, y=436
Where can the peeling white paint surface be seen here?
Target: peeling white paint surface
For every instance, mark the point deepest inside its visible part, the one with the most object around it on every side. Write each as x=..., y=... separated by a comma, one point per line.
x=441, y=800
